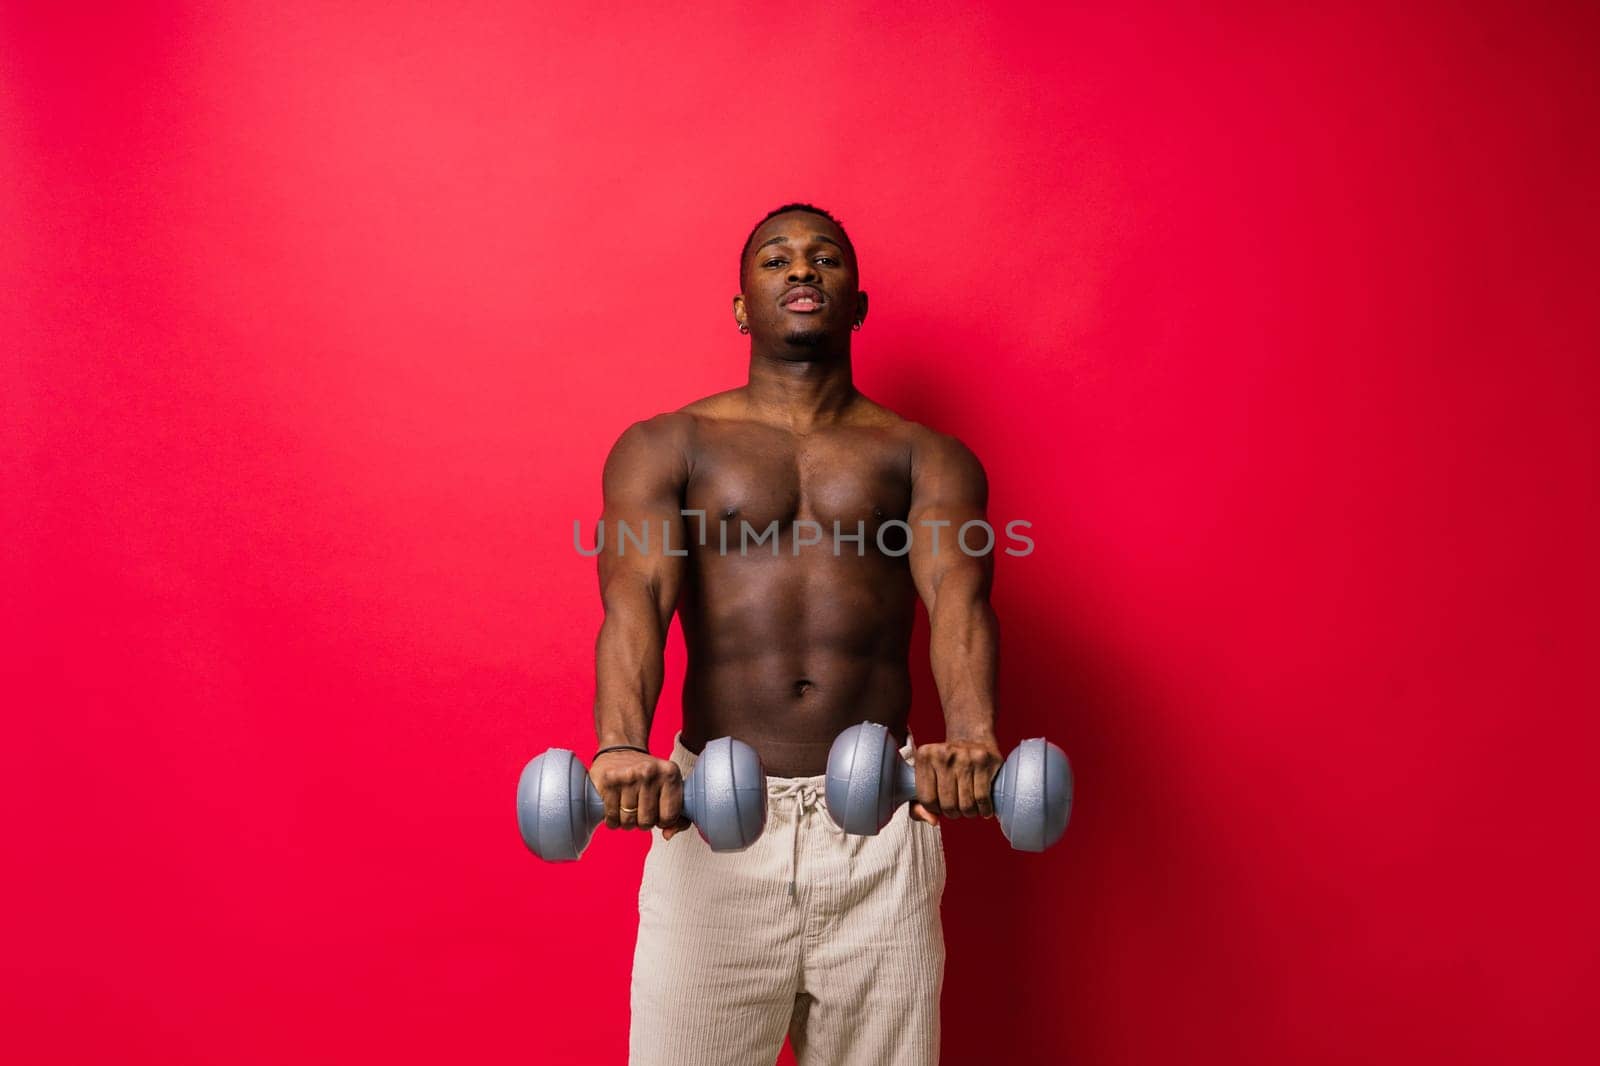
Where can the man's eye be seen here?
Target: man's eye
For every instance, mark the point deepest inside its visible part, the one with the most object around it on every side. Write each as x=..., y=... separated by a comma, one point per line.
x=776, y=261
x=827, y=259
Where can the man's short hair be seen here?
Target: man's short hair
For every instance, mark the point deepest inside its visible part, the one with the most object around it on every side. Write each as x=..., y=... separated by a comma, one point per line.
x=785, y=209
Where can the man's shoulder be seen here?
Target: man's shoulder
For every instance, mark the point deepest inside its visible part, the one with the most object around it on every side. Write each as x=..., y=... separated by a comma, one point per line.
x=923, y=438
x=725, y=404
x=928, y=451
x=678, y=429
x=671, y=438
x=942, y=453
x=665, y=429
x=657, y=447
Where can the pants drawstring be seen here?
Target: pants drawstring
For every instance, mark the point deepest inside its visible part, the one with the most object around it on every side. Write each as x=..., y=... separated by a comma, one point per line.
x=807, y=797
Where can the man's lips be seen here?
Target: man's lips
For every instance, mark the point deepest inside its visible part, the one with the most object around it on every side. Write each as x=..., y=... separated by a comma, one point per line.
x=803, y=299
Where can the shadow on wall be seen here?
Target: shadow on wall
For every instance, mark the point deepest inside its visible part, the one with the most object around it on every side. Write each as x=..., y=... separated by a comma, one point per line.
x=1053, y=957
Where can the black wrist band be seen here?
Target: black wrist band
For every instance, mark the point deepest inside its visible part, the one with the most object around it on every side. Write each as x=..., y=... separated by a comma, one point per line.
x=619, y=747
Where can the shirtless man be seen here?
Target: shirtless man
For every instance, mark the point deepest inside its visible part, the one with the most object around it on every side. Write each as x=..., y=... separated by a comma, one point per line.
x=832, y=939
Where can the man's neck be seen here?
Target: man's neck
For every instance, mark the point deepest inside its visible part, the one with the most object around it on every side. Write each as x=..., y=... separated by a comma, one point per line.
x=801, y=395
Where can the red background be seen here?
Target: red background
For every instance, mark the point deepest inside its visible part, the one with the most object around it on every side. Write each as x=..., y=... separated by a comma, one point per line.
x=1281, y=329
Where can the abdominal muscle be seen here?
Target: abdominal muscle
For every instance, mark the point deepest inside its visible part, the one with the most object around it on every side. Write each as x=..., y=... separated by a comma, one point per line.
x=784, y=654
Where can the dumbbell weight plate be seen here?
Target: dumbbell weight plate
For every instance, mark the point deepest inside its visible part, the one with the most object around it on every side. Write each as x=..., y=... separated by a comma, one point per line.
x=1033, y=795
x=726, y=795
x=553, y=794
x=867, y=779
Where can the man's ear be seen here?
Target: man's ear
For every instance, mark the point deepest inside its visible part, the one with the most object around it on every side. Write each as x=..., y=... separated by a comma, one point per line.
x=861, y=307
x=738, y=308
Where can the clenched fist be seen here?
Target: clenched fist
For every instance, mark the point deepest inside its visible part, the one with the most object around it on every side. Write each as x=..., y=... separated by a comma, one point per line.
x=640, y=791
x=953, y=779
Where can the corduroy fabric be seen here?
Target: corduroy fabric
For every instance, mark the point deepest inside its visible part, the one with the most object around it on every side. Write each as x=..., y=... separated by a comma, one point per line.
x=848, y=962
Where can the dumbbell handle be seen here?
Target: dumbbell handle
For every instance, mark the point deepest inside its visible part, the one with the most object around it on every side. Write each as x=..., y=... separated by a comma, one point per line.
x=905, y=781
x=595, y=802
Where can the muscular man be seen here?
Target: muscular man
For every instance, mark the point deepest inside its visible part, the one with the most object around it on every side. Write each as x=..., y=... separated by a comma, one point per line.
x=832, y=939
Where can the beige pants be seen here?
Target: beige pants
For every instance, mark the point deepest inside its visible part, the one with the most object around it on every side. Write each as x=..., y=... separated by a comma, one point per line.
x=831, y=939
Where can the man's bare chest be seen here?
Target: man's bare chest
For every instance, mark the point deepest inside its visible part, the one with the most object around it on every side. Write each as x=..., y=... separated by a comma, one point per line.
x=763, y=476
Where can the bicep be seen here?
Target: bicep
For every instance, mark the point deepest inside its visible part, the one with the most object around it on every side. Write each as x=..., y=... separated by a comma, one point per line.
x=951, y=542
x=642, y=526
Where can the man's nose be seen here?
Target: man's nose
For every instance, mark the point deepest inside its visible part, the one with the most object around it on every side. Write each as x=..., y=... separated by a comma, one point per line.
x=802, y=270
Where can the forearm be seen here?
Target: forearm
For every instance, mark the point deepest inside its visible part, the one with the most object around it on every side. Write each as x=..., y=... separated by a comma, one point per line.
x=964, y=649
x=629, y=671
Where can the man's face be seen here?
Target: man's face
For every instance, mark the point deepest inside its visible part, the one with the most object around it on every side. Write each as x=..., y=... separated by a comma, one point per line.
x=799, y=282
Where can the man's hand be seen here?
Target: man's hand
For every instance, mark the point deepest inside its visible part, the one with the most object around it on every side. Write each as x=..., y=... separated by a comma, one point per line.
x=640, y=791
x=953, y=779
